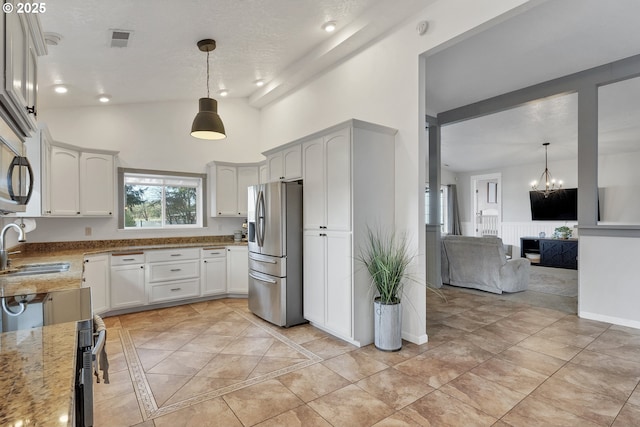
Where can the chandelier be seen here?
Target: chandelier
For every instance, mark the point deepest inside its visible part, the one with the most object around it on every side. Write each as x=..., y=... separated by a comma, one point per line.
x=550, y=184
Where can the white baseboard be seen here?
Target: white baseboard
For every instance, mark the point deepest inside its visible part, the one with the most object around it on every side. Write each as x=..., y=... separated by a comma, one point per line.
x=610, y=319
x=416, y=339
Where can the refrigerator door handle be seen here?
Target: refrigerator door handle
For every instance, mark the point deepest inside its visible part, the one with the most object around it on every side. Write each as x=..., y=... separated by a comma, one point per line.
x=261, y=279
x=260, y=220
x=264, y=261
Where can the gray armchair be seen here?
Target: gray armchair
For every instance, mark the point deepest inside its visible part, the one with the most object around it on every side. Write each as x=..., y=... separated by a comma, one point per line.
x=481, y=263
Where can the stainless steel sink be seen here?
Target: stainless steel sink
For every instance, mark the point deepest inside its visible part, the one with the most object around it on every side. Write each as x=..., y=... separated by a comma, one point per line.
x=30, y=269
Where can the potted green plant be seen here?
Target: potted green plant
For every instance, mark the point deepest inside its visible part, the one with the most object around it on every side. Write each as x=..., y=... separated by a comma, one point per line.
x=386, y=258
x=562, y=232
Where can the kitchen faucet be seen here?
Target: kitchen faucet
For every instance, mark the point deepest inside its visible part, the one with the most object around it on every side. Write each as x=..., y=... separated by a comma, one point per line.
x=4, y=258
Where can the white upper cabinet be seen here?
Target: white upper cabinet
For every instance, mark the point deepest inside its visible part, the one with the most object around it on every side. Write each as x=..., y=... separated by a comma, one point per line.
x=247, y=176
x=226, y=191
x=96, y=184
x=23, y=43
x=64, y=182
x=264, y=173
x=327, y=182
x=229, y=184
x=77, y=182
x=285, y=164
x=313, y=199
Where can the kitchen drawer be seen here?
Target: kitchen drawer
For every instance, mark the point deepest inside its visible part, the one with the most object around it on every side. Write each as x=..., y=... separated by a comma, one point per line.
x=266, y=264
x=174, y=290
x=161, y=255
x=161, y=272
x=126, y=258
x=214, y=252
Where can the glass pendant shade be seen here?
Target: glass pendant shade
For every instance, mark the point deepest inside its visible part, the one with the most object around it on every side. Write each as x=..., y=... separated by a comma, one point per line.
x=208, y=124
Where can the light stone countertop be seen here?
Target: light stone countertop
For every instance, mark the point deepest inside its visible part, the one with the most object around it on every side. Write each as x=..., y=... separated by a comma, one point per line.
x=37, y=377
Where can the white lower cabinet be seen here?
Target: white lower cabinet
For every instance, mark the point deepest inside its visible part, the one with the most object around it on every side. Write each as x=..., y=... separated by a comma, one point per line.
x=127, y=286
x=174, y=290
x=238, y=270
x=95, y=275
x=172, y=274
x=213, y=272
x=327, y=289
x=156, y=276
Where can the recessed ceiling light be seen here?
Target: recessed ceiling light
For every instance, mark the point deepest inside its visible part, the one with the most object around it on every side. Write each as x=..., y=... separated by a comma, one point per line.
x=60, y=89
x=104, y=98
x=223, y=92
x=329, y=26
x=259, y=82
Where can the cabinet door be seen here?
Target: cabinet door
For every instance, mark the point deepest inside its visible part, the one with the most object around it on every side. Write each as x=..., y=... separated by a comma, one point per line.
x=247, y=175
x=314, y=278
x=214, y=276
x=64, y=191
x=127, y=286
x=96, y=184
x=264, y=174
x=339, y=283
x=238, y=270
x=275, y=167
x=20, y=62
x=95, y=274
x=338, y=180
x=292, y=162
x=313, y=196
x=226, y=191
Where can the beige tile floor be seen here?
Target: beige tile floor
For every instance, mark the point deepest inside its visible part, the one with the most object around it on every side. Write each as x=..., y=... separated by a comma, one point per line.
x=489, y=361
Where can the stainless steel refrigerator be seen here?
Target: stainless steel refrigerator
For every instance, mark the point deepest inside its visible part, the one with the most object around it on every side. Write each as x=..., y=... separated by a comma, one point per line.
x=275, y=252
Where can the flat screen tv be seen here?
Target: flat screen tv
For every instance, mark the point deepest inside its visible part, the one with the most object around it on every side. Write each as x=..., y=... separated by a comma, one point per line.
x=560, y=205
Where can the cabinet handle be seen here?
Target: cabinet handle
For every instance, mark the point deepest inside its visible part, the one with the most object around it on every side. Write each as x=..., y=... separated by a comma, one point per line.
x=205, y=261
x=176, y=269
x=128, y=259
x=176, y=254
x=142, y=266
x=175, y=289
x=214, y=253
x=32, y=110
x=323, y=235
x=78, y=213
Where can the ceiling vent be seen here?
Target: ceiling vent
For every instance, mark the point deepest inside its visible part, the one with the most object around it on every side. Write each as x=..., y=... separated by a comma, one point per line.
x=120, y=38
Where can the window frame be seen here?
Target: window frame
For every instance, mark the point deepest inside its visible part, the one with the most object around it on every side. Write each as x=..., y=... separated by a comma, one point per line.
x=201, y=198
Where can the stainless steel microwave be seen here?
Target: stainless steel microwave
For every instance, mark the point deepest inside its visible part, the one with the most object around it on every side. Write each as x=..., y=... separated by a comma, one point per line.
x=16, y=175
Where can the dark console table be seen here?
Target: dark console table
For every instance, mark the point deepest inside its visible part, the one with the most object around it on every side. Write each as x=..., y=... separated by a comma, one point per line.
x=562, y=253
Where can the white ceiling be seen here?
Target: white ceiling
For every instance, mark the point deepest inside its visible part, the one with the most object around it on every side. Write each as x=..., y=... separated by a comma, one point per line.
x=554, y=39
x=280, y=41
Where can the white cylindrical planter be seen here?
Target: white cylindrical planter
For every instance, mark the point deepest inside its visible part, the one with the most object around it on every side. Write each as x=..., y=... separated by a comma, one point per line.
x=387, y=319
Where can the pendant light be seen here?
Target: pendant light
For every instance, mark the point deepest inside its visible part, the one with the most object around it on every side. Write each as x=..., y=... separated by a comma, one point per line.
x=207, y=124
x=550, y=184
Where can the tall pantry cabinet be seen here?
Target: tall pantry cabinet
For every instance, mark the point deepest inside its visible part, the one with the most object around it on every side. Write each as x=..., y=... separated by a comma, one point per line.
x=348, y=173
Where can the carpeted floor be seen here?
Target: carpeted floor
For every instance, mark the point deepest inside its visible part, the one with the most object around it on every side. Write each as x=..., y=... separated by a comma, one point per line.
x=555, y=281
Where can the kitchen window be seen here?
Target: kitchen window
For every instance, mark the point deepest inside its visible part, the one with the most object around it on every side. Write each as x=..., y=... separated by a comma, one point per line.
x=160, y=199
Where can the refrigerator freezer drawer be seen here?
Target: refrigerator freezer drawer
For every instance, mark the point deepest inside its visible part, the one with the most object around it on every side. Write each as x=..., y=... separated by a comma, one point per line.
x=266, y=264
x=267, y=297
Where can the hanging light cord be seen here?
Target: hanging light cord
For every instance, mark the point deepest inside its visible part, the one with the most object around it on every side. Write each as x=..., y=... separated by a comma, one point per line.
x=208, y=75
